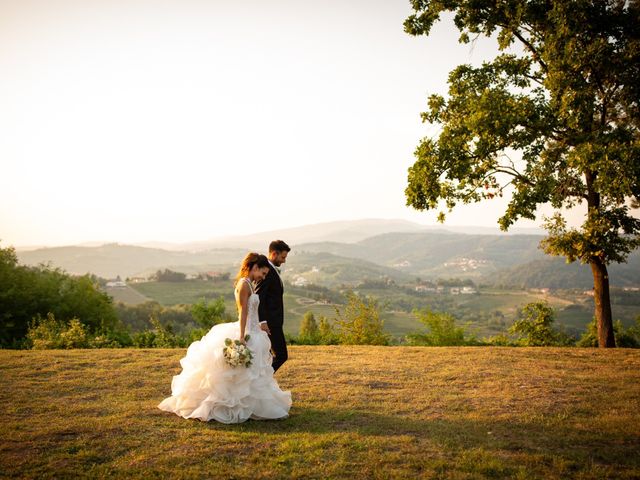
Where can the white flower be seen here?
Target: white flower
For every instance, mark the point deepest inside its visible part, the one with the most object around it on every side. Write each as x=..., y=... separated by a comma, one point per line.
x=236, y=353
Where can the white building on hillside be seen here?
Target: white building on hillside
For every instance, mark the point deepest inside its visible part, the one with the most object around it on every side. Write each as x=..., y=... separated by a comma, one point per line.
x=300, y=281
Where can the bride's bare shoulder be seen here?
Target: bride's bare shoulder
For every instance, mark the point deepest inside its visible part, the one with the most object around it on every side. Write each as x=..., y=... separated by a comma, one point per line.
x=242, y=287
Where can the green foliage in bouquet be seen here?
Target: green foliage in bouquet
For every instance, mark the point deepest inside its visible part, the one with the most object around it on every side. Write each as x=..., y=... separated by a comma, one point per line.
x=237, y=353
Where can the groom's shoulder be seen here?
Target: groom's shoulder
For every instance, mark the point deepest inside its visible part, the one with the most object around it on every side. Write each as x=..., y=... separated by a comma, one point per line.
x=267, y=280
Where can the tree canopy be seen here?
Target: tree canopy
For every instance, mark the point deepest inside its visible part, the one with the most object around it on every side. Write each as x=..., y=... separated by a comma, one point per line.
x=554, y=119
x=31, y=292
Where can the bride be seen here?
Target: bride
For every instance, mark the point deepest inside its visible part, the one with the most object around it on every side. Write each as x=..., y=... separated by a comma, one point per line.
x=210, y=389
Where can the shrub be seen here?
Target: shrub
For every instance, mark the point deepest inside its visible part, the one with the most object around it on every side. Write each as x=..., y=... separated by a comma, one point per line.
x=167, y=275
x=309, y=333
x=442, y=330
x=164, y=336
x=500, y=340
x=625, y=338
x=144, y=339
x=111, y=339
x=360, y=323
x=28, y=293
x=208, y=314
x=326, y=333
x=103, y=341
x=49, y=333
x=75, y=336
x=534, y=327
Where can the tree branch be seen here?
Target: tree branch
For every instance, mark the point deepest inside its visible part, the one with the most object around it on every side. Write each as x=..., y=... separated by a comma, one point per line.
x=530, y=47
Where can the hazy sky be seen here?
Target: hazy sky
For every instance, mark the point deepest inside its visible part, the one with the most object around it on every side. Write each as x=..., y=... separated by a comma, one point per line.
x=184, y=120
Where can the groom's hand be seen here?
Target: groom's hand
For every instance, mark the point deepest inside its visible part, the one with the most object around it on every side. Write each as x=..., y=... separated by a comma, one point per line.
x=265, y=328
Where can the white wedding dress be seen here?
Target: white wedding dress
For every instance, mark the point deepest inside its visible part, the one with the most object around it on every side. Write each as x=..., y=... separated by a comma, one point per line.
x=210, y=389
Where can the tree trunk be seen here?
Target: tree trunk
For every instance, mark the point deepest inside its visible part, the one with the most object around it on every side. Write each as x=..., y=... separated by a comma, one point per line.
x=602, y=302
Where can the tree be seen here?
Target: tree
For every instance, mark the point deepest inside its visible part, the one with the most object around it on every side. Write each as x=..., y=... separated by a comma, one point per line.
x=556, y=124
x=325, y=332
x=360, y=323
x=207, y=314
x=309, y=332
x=167, y=275
x=29, y=292
x=442, y=330
x=535, y=326
x=49, y=333
x=625, y=337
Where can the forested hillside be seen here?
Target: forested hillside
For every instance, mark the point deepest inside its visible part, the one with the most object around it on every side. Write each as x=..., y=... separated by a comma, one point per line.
x=501, y=260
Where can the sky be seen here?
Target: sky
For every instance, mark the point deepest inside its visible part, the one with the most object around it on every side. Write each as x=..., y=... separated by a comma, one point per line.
x=185, y=120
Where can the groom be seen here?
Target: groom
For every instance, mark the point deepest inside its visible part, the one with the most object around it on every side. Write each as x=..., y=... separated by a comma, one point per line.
x=271, y=309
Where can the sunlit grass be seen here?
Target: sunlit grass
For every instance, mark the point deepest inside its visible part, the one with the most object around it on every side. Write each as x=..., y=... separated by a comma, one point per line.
x=359, y=412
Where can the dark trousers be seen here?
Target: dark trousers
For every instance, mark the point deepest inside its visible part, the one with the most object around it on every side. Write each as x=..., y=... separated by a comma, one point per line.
x=278, y=348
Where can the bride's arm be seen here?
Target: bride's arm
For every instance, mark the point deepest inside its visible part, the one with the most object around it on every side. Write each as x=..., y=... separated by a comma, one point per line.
x=243, y=295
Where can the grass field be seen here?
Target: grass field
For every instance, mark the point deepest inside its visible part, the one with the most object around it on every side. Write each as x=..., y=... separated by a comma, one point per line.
x=359, y=412
x=172, y=293
x=126, y=295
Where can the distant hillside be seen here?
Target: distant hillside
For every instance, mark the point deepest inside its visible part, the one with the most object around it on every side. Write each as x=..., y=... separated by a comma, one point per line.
x=125, y=260
x=348, y=231
x=503, y=260
x=343, y=231
x=112, y=260
x=439, y=253
x=554, y=272
x=394, y=254
x=330, y=270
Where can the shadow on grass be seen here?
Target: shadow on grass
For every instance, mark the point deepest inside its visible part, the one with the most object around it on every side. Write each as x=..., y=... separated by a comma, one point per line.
x=551, y=437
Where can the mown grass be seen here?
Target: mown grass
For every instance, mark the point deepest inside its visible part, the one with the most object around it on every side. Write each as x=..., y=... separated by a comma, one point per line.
x=359, y=412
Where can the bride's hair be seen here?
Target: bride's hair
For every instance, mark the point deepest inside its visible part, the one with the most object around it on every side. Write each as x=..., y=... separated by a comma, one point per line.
x=251, y=259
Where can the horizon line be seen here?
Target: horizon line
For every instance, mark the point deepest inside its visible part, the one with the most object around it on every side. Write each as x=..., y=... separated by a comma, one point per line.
x=495, y=230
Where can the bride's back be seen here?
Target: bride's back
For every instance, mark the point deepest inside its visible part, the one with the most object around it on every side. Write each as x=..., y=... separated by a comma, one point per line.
x=245, y=287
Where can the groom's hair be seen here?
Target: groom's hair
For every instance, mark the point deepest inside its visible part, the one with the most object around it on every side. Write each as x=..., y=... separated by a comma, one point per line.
x=279, y=246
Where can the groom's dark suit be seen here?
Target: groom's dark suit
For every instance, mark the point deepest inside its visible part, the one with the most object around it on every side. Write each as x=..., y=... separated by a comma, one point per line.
x=271, y=309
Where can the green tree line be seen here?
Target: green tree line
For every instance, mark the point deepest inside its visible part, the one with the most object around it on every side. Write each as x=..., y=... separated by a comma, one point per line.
x=42, y=307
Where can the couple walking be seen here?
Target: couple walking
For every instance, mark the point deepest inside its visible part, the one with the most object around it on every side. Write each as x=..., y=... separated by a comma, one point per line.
x=210, y=389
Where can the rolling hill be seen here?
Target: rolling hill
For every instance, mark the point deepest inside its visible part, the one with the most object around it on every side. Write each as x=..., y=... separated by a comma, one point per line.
x=341, y=231
x=114, y=259
x=348, y=252
x=438, y=253
x=554, y=272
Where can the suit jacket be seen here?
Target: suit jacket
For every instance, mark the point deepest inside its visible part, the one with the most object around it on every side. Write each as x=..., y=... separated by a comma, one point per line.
x=271, y=308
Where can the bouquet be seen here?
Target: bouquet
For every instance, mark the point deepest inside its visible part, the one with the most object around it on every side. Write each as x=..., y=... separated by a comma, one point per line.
x=236, y=353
